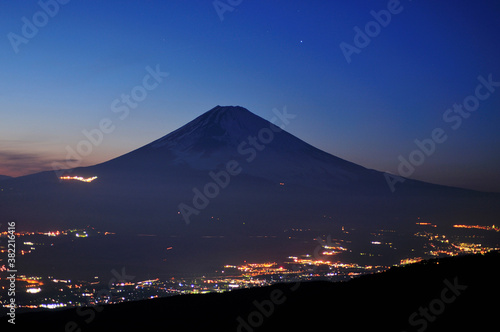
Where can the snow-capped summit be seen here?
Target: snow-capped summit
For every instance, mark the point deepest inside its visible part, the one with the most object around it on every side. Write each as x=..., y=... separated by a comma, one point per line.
x=262, y=149
x=228, y=124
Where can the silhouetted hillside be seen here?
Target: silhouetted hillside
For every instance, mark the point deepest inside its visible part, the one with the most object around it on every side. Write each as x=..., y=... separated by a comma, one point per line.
x=449, y=294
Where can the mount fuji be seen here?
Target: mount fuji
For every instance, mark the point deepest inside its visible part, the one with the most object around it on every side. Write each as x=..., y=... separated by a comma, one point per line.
x=226, y=187
x=229, y=170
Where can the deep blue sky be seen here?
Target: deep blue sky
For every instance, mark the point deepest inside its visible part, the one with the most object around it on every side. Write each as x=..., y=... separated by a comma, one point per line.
x=262, y=55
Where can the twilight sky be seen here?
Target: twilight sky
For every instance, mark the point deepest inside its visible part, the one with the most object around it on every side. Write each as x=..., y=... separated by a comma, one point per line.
x=71, y=70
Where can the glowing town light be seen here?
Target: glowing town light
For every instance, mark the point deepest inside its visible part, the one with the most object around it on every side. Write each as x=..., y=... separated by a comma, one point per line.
x=52, y=305
x=425, y=224
x=487, y=228
x=78, y=178
x=410, y=260
x=34, y=290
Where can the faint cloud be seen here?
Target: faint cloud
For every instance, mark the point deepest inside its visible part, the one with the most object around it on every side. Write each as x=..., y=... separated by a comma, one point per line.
x=22, y=163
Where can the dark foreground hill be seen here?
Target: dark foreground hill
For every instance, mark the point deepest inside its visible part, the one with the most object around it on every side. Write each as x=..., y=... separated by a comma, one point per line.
x=449, y=294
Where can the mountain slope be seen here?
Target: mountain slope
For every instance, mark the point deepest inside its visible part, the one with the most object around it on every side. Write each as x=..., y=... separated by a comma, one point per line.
x=4, y=177
x=229, y=175
x=261, y=149
x=234, y=165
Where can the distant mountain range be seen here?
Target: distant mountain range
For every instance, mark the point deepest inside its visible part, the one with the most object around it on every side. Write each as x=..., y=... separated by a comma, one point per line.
x=230, y=171
x=449, y=294
x=5, y=177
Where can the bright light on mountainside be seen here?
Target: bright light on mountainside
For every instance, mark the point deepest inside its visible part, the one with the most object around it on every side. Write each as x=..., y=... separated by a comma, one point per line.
x=78, y=178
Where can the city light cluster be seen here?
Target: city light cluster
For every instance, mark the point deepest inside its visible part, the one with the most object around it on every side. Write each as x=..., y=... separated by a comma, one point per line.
x=256, y=269
x=410, y=260
x=439, y=245
x=486, y=228
x=33, y=290
x=322, y=265
x=425, y=224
